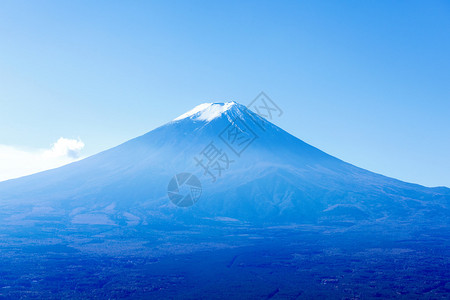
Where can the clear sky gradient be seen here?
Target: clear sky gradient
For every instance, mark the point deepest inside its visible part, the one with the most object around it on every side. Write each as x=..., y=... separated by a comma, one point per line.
x=365, y=81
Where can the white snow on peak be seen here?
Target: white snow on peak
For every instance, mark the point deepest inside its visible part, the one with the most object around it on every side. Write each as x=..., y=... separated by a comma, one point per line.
x=207, y=111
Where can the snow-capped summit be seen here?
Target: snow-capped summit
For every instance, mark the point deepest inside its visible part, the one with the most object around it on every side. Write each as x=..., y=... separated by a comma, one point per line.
x=208, y=111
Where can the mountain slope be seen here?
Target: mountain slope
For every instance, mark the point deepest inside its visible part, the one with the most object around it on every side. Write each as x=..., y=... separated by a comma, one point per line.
x=262, y=173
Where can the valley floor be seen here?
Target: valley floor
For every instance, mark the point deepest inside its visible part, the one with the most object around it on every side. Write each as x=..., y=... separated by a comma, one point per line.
x=213, y=260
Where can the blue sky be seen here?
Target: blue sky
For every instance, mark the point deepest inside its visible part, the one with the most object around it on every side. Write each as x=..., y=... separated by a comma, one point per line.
x=366, y=81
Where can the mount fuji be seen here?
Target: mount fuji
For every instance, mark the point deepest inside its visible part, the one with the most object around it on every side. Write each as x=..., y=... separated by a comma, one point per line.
x=260, y=174
x=221, y=204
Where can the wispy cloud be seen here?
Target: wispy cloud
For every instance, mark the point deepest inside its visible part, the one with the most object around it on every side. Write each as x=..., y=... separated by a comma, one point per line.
x=16, y=162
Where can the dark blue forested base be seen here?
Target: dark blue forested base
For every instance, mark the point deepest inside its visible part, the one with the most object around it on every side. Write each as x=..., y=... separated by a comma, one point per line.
x=233, y=261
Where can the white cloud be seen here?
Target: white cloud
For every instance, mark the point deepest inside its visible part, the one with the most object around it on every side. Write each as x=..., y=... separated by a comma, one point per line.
x=65, y=147
x=15, y=162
